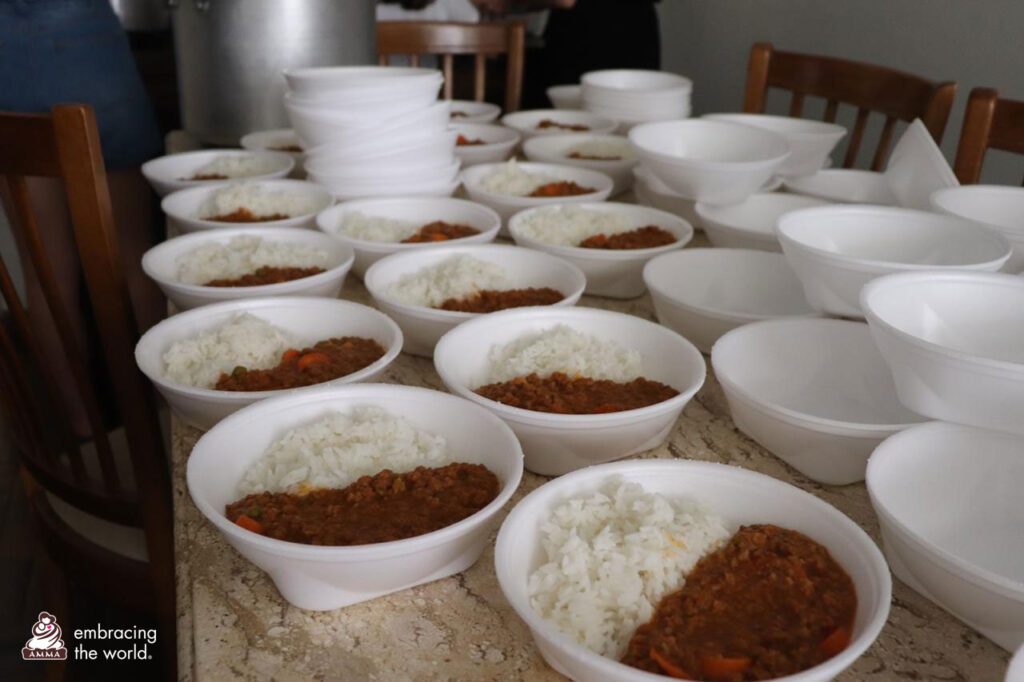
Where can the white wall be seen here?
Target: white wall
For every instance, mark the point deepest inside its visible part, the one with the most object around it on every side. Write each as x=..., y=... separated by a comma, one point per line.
x=972, y=42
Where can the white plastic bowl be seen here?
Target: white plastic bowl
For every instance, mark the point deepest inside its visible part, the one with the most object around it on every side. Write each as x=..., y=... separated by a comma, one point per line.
x=836, y=250
x=474, y=112
x=814, y=392
x=953, y=343
x=499, y=143
x=650, y=191
x=704, y=293
x=811, y=142
x=273, y=140
x=637, y=89
x=566, y=96
x=948, y=503
x=167, y=173
x=615, y=273
x=418, y=210
x=422, y=326
x=710, y=161
x=310, y=319
x=526, y=122
x=352, y=112
x=382, y=174
x=556, y=149
x=740, y=497
x=318, y=578
x=184, y=206
x=413, y=148
x=845, y=186
x=557, y=443
x=751, y=224
x=346, y=190
x=1000, y=208
x=421, y=122
x=1015, y=671
x=161, y=264
x=378, y=81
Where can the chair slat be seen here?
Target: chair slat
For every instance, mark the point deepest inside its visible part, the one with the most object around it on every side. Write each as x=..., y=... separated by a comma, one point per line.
x=414, y=59
x=796, y=105
x=382, y=60
x=479, y=77
x=855, y=138
x=448, y=64
x=831, y=109
x=884, y=142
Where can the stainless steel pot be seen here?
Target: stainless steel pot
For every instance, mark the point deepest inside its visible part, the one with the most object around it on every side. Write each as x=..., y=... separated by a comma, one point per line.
x=230, y=55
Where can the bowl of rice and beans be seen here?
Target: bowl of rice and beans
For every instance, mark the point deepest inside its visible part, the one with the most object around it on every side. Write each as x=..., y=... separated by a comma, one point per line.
x=174, y=172
x=278, y=203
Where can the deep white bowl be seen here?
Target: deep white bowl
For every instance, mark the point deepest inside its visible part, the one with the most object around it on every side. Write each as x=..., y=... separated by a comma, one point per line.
x=422, y=326
x=836, y=250
x=315, y=131
x=948, y=503
x=378, y=82
x=323, y=578
x=556, y=149
x=953, y=343
x=751, y=224
x=419, y=210
x=167, y=173
x=704, y=293
x=499, y=143
x=419, y=149
x=635, y=90
x=273, y=140
x=566, y=96
x=615, y=273
x=845, y=186
x=710, y=161
x=382, y=175
x=310, y=319
x=160, y=263
x=526, y=122
x=811, y=142
x=184, y=206
x=474, y=112
x=349, y=111
x=737, y=495
x=554, y=444
x=997, y=207
x=814, y=392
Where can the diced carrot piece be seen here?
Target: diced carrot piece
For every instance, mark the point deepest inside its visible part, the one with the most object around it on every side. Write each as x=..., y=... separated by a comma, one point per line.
x=249, y=524
x=289, y=355
x=670, y=668
x=723, y=666
x=438, y=237
x=837, y=640
x=310, y=359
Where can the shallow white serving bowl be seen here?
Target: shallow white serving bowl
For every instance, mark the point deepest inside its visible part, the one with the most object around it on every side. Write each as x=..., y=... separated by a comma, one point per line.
x=273, y=140
x=845, y=186
x=711, y=161
x=556, y=149
x=474, y=112
x=422, y=326
x=704, y=293
x=418, y=210
x=508, y=205
x=526, y=122
x=499, y=143
x=751, y=224
x=566, y=96
x=997, y=207
x=166, y=173
x=325, y=578
x=738, y=496
x=836, y=250
x=615, y=273
x=811, y=142
x=184, y=206
x=379, y=82
x=161, y=264
x=557, y=443
x=953, y=343
x=814, y=392
x=650, y=191
x=310, y=319
x=948, y=503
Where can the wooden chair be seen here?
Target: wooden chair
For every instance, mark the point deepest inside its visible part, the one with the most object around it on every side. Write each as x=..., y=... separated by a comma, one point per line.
x=989, y=123
x=895, y=94
x=75, y=480
x=416, y=38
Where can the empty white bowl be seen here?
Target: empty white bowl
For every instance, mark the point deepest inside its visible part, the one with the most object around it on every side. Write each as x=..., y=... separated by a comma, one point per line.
x=184, y=206
x=811, y=142
x=465, y=111
x=632, y=96
x=170, y=173
x=814, y=392
x=309, y=319
x=751, y=224
x=740, y=497
x=566, y=96
x=997, y=207
x=315, y=131
x=554, y=444
x=499, y=143
x=948, y=503
x=422, y=326
x=615, y=273
x=527, y=122
x=276, y=140
x=704, y=293
x=417, y=210
x=557, y=148
x=845, y=186
x=318, y=578
x=373, y=82
x=953, y=343
x=836, y=250
x=710, y=161
x=161, y=264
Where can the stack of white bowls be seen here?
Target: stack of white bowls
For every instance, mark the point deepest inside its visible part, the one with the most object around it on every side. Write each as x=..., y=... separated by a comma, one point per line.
x=373, y=130
x=636, y=96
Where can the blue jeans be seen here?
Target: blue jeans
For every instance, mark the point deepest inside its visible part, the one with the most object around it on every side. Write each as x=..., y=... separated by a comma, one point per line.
x=75, y=51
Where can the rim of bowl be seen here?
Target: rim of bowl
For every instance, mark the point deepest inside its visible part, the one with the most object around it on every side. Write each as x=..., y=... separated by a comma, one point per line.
x=514, y=137
x=710, y=214
x=821, y=128
x=777, y=139
x=211, y=187
x=286, y=160
x=468, y=175
x=936, y=197
x=678, y=81
x=252, y=138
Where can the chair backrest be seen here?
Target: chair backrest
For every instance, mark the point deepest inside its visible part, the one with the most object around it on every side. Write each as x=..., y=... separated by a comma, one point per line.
x=897, y=95
x=989, y=123
x=447, y=39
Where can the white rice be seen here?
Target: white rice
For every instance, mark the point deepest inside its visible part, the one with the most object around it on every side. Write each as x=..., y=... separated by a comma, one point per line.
x=568, y=225
x=237, y=166
x=244, y=340
x=259, y=200
x=563, y=349
x=612, y=556
x=513, y=180
x=619, y=148
x=335, y=451
x=245, y=254
x=454, y=277
x=377, y=229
